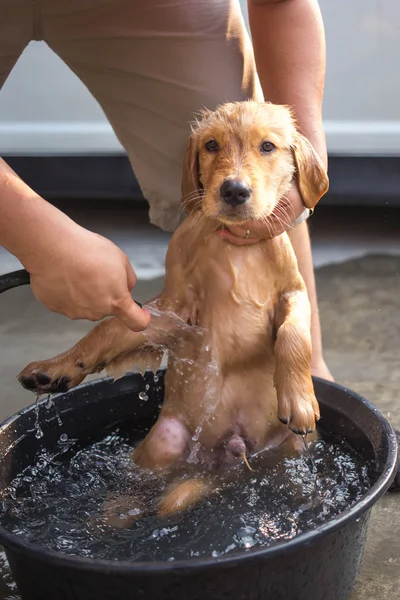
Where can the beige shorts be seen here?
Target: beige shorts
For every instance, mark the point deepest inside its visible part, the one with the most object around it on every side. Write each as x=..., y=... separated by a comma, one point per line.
x=151, y=64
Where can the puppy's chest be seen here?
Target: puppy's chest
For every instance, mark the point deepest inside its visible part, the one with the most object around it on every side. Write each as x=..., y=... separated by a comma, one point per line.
x=235, y=293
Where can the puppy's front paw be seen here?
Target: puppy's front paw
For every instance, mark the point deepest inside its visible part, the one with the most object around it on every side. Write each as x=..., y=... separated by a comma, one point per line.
x=48, y=377
x=298, y=407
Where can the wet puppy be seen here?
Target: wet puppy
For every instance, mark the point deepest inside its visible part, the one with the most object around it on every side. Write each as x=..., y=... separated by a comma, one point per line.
x=235, y=320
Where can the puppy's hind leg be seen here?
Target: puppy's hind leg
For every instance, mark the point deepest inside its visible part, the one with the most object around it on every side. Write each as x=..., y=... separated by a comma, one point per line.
x=163, y=449
x=122, y=512
x=183, y=495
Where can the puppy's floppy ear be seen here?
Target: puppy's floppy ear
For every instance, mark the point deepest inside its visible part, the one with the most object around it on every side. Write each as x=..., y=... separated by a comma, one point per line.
x=311, y=175
x=190, y=174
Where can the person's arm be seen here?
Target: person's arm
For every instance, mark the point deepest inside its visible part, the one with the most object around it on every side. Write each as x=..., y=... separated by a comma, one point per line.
x=289, y=48
x=73, y=271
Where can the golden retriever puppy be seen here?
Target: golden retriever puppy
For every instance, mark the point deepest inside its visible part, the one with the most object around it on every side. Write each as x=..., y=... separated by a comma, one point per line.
x=234, y=319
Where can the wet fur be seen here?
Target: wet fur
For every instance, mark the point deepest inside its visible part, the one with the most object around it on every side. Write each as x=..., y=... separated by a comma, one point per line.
x=235, y=320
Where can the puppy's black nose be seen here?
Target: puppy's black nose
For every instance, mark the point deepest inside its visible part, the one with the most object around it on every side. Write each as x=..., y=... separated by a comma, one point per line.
x=234, y=192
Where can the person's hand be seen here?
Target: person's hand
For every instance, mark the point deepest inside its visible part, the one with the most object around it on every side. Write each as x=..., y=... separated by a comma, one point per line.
x=87, y=277
x=282, y=219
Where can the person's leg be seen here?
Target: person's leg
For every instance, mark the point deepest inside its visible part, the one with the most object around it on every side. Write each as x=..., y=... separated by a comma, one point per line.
x=16, y=31
x=152, y=65
x=300, y=239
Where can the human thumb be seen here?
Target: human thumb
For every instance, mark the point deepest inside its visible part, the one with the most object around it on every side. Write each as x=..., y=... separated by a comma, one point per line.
x=134, y=317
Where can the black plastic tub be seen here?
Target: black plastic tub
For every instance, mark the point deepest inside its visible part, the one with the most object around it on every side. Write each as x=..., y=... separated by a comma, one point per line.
x=318, y=565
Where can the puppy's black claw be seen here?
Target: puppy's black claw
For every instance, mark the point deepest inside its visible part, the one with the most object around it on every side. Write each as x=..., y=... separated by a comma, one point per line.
x=299, y=432
x=284, y=421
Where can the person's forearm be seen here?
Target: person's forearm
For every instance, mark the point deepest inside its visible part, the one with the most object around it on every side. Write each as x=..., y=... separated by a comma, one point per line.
x=73, y=271
x=289, y=47
x=29, y=226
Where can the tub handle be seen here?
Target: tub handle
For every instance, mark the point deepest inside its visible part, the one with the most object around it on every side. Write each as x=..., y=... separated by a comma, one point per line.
x=18, y=278
x=14, y=279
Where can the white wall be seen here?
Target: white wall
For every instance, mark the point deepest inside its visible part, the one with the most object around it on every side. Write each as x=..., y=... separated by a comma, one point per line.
x=44, y=108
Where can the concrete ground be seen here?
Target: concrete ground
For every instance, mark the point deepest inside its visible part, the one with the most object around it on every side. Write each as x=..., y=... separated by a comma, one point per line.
x=357, y=258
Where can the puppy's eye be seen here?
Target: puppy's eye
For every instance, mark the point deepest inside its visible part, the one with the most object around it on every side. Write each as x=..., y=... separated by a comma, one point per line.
x=212, y=146
x=267, y=147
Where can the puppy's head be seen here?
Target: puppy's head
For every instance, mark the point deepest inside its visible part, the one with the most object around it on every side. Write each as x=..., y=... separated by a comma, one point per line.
x=241, y=159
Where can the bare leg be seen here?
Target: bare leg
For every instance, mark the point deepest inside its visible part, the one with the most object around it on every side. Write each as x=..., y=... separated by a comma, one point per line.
x=300, y=239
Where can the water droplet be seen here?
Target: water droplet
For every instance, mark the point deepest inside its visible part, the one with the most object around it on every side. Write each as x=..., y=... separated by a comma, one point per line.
x=197, y=433
x=63, y=437
x=248, y=541
x=39, y=432
x=245, y=532
x=156, y=378
x=147, y=387
x=143, y=396
x=241, y=517
x=49, y=402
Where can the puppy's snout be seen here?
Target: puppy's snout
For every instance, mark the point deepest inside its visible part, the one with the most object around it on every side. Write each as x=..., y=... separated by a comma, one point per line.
x=234, y=192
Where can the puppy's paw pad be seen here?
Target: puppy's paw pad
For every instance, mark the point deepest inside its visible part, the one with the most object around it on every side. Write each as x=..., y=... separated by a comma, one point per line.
x=35, y=380
x=29, y=383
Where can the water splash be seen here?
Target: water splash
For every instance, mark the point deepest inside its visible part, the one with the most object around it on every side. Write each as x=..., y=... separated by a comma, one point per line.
x=169, y=320
x=53, y=503
x=39, y=432
x=308, y=456
x=212, y=397
x=312, y=467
